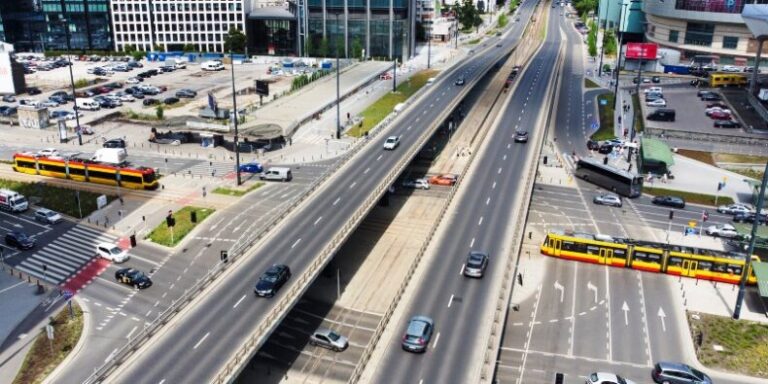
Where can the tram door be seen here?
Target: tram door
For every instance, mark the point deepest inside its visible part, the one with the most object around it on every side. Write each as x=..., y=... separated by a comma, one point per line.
x=605, y=256
x=690, y=267
x=556, y=245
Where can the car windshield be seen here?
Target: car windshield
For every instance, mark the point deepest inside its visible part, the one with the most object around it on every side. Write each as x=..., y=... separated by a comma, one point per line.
x=49, y=214
x=699, y=374
x=21, y=235
x=391, y=140
x=270, y=276
x=475, y=260
x=115, y=251
x=333, y=336
x=136, y=275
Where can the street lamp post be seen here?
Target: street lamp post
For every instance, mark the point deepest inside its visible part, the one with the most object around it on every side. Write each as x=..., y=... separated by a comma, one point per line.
x=71, y=76
x=338, y=97
x=618, y=58
x=429, y=46
x=234, y=106
x=751, y=248
x=605, y=29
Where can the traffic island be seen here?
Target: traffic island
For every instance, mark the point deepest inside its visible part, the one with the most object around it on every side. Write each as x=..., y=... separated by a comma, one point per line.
x=184, y=221
x=46, y=354
x=605, y=110
x=59, y=199
x=238, y=191
x=737, y=346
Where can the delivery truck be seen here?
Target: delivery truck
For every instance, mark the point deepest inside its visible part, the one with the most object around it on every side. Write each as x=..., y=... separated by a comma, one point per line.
x=13, y=201
x=114, y=156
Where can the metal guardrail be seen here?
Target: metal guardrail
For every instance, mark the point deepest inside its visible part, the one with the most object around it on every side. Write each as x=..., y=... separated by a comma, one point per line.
x=246, y=241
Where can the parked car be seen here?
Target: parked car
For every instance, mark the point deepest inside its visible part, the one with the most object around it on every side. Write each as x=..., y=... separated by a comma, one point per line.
x=150, y=101
x=722, y=230
x=521, y=137
x=114, y=143
x=185, y=92
x=651, y=96
x=719, y=115
x=444, y=179
x=19, y=239
x=170, y=100
x=33, y=91
x=730, y=68
x=605, y=149
x=392, y=142
x=678, y=373
x=272, y=279
x=607, y=378
x=732, y=209
x=327, y=338
x=133, y=80
x=416, y=183
x=750, y=217
x=656, y=79
x=657, y=103
x=717, y=104
x=476, y=264
x=418, y=334
x=669, y=201
x=111, y=252
x=47, y=216
x=607, y=199
x=727, y=124
x=134, y=277
x=593, y=145
x=58, y=99
x=8, y=111
x=711, y=110
x=9, y=99
x=711, y=97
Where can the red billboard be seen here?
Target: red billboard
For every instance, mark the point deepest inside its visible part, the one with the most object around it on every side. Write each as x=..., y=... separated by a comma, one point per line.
x=641, y=51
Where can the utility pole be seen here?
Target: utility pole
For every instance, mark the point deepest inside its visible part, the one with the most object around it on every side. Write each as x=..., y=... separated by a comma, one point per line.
x=64, y=21
x=338, y=86
x=234, y=116
x=605, y=29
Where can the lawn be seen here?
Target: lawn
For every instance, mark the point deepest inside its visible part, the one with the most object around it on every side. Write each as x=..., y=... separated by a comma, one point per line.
x=704, y=157
x=689, y=197
x=45, y=356
x=639, y=121
x=744, y=344
x=714, y=158
x=59, y=199
x=605, y=131
x=473, y=41
x=237, y=192
x=590, y=84
x=377, y=111
x=162, y=234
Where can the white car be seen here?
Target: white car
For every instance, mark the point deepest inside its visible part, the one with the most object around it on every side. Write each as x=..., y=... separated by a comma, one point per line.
x=122, y=96
x=607, y=378
x=722, y=230
x=133, y=80
x=657, y=103
x=416, y=183
x=709, y=111
x=47, y=216
x=652, y=90
x=733, y=209
x=111, y=252
x=392, y=142
x=730, y=68
x=48, y=152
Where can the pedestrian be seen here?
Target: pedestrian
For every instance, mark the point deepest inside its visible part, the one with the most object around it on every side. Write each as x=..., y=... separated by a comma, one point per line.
x=629, y=169
x=619, y=119
x=664, y=178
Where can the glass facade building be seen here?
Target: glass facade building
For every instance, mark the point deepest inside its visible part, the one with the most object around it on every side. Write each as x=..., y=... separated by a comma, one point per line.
x=86, y=21
x=22, y=25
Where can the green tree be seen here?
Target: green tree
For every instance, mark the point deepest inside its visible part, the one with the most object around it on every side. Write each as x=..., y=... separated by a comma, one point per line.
x=592, y=40
x=189, y=48
x=137, y=55
x=609, y=42
x=159, y=112
x=309, y=47
x=584, y=6
x=357, y=48
x=235, y=41
x=129, y=48
x=478, y=21
x=158, y=48
x=324, y=48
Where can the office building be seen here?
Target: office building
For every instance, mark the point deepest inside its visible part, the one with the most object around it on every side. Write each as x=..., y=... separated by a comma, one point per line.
x=698, y=28
x=22, y=25
x=85, y=22
x=172, y=25
x=272, y=28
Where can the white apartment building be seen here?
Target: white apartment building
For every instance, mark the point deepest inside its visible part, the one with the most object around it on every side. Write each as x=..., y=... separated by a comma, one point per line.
x=172, y=24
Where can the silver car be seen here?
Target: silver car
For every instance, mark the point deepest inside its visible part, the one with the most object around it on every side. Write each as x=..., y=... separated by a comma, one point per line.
x=418, y=334
x=733, y=209
x=607, y=199
x=475, y=264
x=329, y=339
x=723, y=230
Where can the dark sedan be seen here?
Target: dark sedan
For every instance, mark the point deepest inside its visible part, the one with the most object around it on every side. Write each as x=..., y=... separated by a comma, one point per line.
x=669, y=201
x=170, y=100
x=185, y=92
x=271, y=281
x=19, y=239
x=521, y=137
x=727, y=124
x=750, y=218
x=136, y=278
x=34, y=91
x=150, y=101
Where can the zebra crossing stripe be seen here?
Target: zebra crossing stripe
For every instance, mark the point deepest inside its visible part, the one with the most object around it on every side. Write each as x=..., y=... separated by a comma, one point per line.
x=46, y=257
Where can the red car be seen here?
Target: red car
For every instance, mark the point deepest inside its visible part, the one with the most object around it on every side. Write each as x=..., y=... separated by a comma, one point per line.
x=445, y=179
x=718, y=115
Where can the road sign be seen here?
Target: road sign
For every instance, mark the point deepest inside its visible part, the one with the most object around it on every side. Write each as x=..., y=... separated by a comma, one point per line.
x=49, y=331
x=67, y=294
x=603, y=101
x=692, y=223
x=595, y=125
x=101, y=201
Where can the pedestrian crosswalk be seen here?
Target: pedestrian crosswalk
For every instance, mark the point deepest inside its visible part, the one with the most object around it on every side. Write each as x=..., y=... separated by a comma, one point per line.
x=64, y=257
x=210, y=169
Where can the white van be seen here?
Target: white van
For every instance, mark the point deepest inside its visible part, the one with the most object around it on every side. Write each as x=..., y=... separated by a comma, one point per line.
x=116, y=156
x=87, y=104
x=212, y=65
x=277, y=173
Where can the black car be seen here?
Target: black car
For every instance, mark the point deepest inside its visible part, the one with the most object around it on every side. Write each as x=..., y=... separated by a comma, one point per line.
x=34, y=91
x=8, y=111
x=143, y=75
x=271, y=281
x=711, y=97
x=167, y=68
x=151, y=101
x=107, y=103
x=63, y=95
x=19, y=240
x=727, y=124
x=133, y=277
x=656, y=79
x=186, y=93
x=669, y=201
x=521, y=137
x=702, y=93
x=170, y=100
x=134, y=64
x=114, y=143
x=460, y=81
x=750, y=218
x=138, y=95
x=605, y=148
x=57, y=99
x=9, y=99
x=593, y=145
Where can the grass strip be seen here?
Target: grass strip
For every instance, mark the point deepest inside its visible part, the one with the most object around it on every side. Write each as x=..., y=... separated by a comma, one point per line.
x=162, y=234
x=689, y=197
x=639, y=121
x=237, y=192
x=738, y=346
x=45, y=355
x=590, y=84
x=59, y=199
x=377, y=111
x=605, y=112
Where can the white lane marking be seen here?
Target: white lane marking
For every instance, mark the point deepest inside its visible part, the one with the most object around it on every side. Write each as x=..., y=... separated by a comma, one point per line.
x=353, y=185
x=161, y=381
x=409, y=128
x=238, y=302
x=499, y=171
x=471, y=243
x=379, y=158
x=450, y=301
x=509, y=145
x=128, y=336
x=504, y=157
x=488, y=201
x=296, y=243
x=461, y=271
x=481, y=221
x=337, y=200
x=366, y=171
x=318, y=220
x=494, y=185
x=201, y=340
x=437, y=338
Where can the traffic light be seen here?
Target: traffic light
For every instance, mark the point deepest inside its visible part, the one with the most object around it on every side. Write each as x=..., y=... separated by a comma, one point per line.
x=170, y=221
x=671, y=215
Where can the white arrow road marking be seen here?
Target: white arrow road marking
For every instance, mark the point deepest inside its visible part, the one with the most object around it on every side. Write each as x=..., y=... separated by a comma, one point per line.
x=591, y=287
x=560, y=288
x=625, y=308
x=662, y=315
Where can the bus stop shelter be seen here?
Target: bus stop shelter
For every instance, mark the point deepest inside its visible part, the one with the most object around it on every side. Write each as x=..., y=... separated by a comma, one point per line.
x=761, y=273
x=655, y=156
